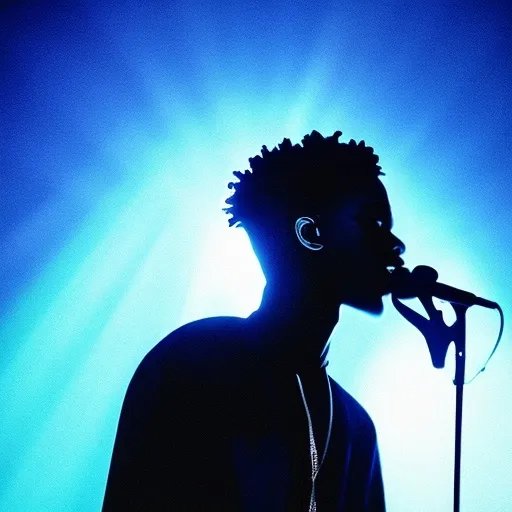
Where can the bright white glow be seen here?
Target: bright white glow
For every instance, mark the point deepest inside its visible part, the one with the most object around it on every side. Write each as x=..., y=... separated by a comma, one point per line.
x=412, y=405
x=228, y=279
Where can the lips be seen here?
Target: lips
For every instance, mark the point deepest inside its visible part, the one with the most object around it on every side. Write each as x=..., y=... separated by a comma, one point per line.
x=372, y=278
x=388, y=273
x=394, y=264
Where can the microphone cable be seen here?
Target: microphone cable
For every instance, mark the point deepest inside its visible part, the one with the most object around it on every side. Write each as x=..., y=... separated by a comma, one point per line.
x=500, y=311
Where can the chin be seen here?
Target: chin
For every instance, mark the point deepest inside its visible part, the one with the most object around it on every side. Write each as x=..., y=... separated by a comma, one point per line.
x=372, y=306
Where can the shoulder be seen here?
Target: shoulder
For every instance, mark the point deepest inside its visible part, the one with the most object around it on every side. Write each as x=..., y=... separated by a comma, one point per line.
x=197, y=348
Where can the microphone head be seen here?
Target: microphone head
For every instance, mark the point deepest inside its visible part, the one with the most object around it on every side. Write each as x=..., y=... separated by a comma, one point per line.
x=401, y=285
x=407, y=285
x=424, y=274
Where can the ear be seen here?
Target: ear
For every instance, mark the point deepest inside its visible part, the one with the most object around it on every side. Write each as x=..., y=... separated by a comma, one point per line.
x=307, y=232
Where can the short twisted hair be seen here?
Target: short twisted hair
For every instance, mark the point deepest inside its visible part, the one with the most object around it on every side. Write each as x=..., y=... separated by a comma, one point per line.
x=296, y=177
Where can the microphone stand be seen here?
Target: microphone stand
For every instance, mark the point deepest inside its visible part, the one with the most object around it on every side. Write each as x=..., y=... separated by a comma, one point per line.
x=439, y=336
x=459, y=330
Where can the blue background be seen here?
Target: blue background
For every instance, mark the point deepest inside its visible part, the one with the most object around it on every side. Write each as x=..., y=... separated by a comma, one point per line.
x=121, y=123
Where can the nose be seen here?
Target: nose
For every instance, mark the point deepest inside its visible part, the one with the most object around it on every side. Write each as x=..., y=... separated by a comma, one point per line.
x=398, y=246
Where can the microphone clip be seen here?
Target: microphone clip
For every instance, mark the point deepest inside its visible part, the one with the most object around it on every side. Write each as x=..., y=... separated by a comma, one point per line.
x=437, y=334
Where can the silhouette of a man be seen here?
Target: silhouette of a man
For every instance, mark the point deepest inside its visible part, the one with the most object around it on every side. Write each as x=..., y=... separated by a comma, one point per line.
x=239, y=414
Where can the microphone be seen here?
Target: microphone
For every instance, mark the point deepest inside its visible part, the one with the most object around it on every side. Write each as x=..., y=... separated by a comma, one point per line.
x=422, y=281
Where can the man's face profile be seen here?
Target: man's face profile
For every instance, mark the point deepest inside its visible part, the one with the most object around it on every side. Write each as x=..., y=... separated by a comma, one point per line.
x=359, y=246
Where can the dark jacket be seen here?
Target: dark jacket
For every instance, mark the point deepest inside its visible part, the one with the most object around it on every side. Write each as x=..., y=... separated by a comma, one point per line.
x=211, y=422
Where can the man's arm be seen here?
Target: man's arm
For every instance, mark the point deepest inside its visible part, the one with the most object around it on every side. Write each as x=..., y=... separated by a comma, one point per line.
x=168, y=453
x=147, y=460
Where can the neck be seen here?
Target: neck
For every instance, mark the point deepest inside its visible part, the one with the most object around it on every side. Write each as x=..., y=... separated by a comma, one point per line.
x=296, y=324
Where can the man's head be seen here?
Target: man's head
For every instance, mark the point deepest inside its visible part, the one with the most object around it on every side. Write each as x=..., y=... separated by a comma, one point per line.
x=319, y=219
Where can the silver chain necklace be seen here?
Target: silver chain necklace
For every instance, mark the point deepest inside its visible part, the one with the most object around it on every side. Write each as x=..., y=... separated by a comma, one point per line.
x=315, y=466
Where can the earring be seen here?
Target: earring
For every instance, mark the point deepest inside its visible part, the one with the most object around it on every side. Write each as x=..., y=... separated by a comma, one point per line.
x=299, y=225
